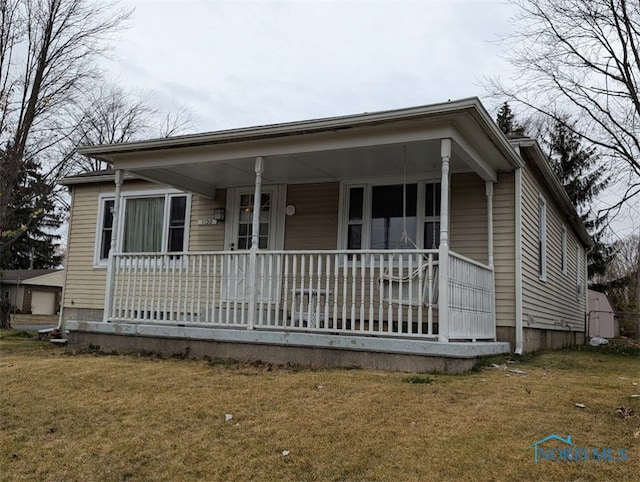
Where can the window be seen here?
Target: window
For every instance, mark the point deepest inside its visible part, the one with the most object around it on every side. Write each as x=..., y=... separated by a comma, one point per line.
x=107, y=228
x=245, y=224
x=152, y=223
x=376, y=216
x=542, y=239
x=432, y=216
x=563, y=259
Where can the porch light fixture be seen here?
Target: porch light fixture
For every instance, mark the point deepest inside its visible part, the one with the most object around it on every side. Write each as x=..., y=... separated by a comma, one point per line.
x=218, y=214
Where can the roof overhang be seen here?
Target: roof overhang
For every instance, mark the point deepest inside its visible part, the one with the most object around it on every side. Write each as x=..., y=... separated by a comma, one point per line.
x=371, y=144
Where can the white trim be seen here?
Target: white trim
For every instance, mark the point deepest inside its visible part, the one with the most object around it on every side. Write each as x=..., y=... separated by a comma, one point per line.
x=368, y=184
x=542, y=238
x=167, y=193
x=563, y=255
x=278, y=206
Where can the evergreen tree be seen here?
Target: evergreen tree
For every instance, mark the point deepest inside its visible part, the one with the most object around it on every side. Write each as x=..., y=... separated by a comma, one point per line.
x=28, y=236
x=507, y=123
x=576, y=167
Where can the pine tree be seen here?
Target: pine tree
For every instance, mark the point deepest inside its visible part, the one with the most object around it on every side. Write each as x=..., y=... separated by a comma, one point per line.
x=576, y=167
x=506, y=122
x=28, y=236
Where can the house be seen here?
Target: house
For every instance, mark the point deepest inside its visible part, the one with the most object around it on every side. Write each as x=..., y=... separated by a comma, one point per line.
x=413, y=239
x=601, y=316
x=34, y=291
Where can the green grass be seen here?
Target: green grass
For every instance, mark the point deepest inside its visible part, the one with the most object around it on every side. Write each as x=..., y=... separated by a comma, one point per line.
x=97, y=417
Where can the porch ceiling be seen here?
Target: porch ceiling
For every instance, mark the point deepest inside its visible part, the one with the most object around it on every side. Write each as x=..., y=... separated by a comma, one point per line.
x=419, y=159
x=387, y=144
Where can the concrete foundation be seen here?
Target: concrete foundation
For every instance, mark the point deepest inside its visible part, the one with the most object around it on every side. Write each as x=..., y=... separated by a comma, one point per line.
x=536, y=339
x=305, y=349
x=81, y=314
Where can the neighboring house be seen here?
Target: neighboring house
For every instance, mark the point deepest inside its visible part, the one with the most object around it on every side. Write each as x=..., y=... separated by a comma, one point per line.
x=34, y=291
x=413, y=239
x=601, y=317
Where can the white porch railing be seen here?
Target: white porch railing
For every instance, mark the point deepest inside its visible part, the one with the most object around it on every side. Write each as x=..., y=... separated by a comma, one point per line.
x=470, y=299
x=384, y=293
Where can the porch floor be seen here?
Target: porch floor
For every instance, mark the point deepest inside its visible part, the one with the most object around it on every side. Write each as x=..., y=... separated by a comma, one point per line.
x=308, y=349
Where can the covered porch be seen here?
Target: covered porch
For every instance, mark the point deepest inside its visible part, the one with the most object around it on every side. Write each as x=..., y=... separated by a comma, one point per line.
x=363, y=297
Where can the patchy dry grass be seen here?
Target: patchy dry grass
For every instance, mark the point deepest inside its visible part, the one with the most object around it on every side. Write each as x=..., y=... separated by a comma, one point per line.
x=22, y=319
x=90, y=417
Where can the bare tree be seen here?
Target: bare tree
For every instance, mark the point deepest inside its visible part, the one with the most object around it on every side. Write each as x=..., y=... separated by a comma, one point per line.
x=47, y=52
x=108, y=115
x=582, y=58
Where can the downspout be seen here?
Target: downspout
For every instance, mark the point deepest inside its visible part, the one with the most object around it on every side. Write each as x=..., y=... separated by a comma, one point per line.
x=518, y=261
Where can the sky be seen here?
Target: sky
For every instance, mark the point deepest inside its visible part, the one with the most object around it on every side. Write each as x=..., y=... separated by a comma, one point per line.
x=245, y=63
x=240, y=63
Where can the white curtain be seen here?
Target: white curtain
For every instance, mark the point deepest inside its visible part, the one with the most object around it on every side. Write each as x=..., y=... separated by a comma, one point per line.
x=143, y=225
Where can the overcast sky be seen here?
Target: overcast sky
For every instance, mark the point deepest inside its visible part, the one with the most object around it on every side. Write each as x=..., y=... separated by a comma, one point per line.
x=241, y=63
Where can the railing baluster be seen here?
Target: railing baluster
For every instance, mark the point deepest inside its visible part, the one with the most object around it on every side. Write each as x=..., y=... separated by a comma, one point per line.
x=345, y=271
x=336, y=274
x=294, y=310
x=271, y=287
x=402, y=291
x=354, y=270
x=372, y=267
x=309, y=289
x=381, y=293
x=411, y=283
x=363, y=272
x=327, y=263
x=430, y=283
x=318, y=323
x=285, y=290
x=390, y=269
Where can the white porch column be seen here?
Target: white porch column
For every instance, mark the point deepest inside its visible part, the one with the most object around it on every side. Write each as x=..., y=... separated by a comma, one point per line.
x=252, y=278
x=489, y=192
x=111, y=267
x=443, y=255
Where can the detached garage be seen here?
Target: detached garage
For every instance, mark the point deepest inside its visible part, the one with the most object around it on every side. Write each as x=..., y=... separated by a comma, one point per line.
x=33, y=291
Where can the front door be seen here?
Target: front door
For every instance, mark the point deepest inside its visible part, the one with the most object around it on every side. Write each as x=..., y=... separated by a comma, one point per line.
x=241, y=204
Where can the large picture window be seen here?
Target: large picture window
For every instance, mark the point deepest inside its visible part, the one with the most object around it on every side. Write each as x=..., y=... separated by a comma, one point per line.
x=377, y=216
x=153, y=223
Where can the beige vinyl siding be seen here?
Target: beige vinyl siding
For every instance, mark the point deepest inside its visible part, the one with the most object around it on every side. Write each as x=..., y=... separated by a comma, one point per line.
x=315, y=223
x=469, y=233
x=206, y=237
x=469, y=217
x=85, y=284
x=554, y=303
x=504, y=236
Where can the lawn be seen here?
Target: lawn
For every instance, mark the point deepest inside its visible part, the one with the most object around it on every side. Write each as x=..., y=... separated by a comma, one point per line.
x=93, y=417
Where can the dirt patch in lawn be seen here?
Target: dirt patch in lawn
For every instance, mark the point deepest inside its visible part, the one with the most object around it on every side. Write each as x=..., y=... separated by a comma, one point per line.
x=106, y=417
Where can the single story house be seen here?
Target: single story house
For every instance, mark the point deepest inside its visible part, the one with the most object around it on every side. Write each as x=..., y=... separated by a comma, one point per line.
x=414, y=239
x=34, y=291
